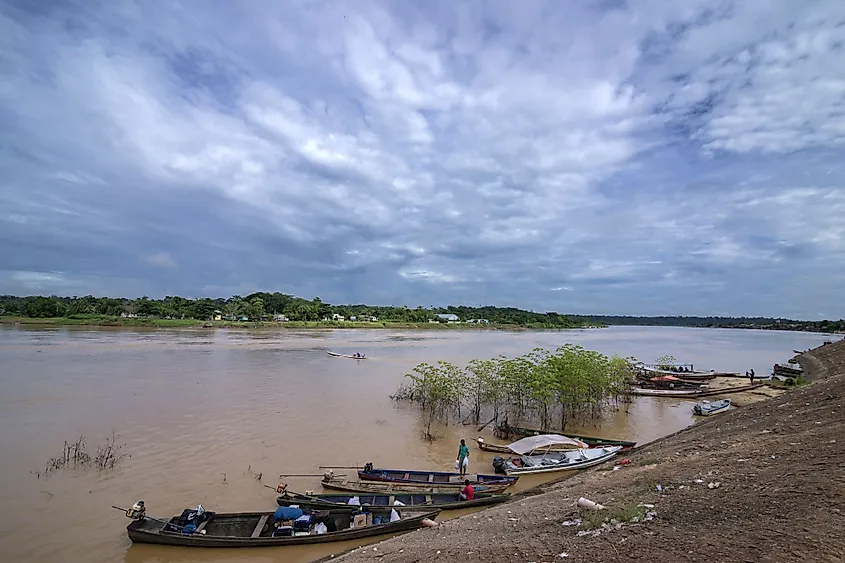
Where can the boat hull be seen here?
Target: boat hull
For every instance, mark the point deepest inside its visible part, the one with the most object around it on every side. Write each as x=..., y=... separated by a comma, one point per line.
x=545, y=463
x=151, y=531
x=368, y=487
x=410, y=501
x=439, y=478
x=709, y=409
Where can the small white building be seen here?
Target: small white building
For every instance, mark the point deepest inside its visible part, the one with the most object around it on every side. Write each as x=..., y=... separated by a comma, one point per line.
x=449, y=318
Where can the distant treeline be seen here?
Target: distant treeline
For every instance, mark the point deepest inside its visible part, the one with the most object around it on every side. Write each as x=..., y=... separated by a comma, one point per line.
x=718, y=322
x=263, y=306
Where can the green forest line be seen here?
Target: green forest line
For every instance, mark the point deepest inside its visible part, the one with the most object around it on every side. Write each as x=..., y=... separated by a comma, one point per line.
x=264, y=309
x=275, y=309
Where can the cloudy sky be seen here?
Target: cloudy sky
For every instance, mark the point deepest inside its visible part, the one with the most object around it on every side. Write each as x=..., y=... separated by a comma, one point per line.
x=648, y=157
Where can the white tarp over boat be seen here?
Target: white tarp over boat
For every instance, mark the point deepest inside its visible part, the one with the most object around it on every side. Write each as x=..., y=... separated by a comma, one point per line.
x=531, y=443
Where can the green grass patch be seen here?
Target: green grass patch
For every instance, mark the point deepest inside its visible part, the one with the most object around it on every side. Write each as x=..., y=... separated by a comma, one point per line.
x=627, y=513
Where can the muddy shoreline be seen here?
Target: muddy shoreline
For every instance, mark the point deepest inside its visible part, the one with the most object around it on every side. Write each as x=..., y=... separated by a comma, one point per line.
x=764, y=482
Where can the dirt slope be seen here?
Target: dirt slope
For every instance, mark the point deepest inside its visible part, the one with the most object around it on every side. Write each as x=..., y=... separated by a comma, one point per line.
x=762, y=483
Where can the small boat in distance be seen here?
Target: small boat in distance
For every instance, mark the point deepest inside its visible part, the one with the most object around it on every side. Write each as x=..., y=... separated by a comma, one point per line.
x=409, y=500
x=440, y=478
x=369, y=487
x=355, y=356
x=262, y=529
x=708, y=408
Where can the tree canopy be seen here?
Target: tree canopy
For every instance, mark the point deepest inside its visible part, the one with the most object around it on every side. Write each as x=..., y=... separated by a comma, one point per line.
x=262, y=306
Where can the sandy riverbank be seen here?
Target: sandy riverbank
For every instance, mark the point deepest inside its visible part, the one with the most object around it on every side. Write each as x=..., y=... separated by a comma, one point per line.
x=764, y=482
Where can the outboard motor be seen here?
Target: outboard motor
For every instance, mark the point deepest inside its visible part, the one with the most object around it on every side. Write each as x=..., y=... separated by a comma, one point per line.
x=499, y=465
x=138, y=511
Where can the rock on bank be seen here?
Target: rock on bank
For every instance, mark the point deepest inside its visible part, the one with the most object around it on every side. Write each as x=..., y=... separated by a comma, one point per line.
x=762, y=483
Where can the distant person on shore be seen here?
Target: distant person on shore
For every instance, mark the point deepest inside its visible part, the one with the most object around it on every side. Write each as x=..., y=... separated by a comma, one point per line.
x=467, y=493
x=751, y=376
x=463, y=457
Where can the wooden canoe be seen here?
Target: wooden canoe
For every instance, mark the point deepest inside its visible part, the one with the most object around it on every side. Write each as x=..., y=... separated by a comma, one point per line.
x=368, y=487
x=650, y=392
x=439, y=478
x=411, y=501
x=691, y=374
x=786, y=370
x=255, y=529
x=693, y=392
x=592, y=441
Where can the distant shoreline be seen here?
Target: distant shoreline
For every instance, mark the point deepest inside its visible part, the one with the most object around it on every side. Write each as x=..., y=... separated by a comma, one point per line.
x=208, y=325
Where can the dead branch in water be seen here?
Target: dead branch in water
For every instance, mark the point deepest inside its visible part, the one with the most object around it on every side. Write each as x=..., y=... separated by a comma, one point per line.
x=75, y=456
x=109, y=454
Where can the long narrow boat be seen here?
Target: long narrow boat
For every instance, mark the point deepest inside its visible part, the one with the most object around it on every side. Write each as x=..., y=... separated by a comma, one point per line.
x=555, y=461
x=369, y=487
x=665, y=392
x=669, y=382
x=351, y=356
x=440, y=478
x=696, y=375
x=709, y=408
x=592, y=441
x=780, y=369
x=443, y=501
x=257, y=529
x=692, y=392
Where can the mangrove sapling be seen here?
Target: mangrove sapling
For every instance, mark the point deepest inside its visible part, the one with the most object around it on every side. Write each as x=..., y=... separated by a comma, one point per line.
x=437, y=390
x=666, y=362
x=571, y=382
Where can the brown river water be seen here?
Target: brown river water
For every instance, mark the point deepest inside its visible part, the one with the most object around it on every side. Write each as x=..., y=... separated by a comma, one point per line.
x=202, y=412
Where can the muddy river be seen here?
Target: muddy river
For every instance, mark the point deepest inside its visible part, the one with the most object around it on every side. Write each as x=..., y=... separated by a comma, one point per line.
x=203, y=413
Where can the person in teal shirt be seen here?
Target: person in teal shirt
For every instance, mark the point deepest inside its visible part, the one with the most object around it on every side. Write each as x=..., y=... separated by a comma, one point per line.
x=463, y=457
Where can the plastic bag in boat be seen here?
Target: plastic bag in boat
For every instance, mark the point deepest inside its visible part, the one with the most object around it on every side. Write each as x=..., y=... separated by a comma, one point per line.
x=354, y=501
x=320, y=528
x=394, y=516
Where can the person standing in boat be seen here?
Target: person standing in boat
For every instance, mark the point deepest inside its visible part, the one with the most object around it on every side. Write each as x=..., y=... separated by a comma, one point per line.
x=463, y=457
x=467, y=492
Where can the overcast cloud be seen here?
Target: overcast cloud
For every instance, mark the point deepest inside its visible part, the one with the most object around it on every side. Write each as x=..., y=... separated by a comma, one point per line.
x=649, y=157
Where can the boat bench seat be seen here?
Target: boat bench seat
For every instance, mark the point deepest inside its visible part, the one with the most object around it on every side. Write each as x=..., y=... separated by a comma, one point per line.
x=260, y=526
